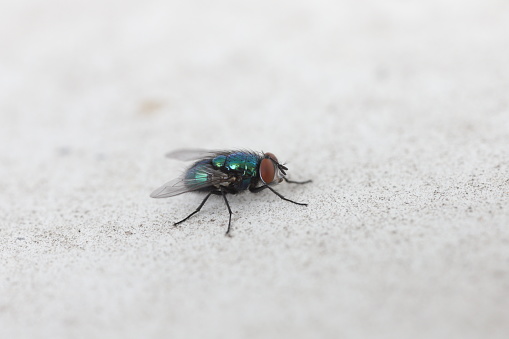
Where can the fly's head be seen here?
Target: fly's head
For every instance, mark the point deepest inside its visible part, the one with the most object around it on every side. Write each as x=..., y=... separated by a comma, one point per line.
x=271, y=171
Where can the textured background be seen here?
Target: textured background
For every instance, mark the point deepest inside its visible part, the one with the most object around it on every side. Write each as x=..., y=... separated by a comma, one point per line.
x=398, y=110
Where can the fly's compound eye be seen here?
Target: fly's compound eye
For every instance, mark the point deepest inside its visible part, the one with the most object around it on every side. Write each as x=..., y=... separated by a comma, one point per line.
x=272, y=156
x=268, y=168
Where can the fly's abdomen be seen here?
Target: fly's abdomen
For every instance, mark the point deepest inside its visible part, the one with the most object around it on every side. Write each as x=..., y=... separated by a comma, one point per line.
x=198, y=173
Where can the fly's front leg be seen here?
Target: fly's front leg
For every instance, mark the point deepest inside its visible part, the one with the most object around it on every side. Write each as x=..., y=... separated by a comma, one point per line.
x=261, y=188
x=297, y=182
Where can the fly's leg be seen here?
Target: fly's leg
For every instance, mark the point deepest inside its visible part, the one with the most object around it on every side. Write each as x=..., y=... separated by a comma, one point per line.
x=261, y=188
x=297, y=182
x=223, y=192
x=197, y=210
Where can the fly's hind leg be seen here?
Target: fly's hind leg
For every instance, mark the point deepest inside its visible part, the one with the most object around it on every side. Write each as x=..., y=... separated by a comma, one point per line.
x=197, y=210
x=222, y=191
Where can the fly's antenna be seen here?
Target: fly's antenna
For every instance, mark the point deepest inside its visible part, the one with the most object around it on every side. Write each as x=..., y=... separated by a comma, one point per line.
x=281, y=167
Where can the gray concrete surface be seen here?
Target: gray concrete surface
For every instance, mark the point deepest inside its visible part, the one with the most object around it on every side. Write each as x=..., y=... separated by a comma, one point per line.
x=399, y=112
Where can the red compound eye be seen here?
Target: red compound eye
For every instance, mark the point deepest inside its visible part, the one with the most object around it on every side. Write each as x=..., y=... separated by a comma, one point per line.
x=272, y=156
x=267, y=168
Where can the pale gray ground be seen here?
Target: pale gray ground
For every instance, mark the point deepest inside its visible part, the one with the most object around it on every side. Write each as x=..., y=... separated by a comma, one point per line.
x=399, y=112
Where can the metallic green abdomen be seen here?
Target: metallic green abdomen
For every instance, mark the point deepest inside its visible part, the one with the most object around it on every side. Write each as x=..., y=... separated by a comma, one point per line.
x=198, y=172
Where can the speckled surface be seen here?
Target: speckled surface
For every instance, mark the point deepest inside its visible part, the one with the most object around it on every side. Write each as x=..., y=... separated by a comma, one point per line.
x=398, y=111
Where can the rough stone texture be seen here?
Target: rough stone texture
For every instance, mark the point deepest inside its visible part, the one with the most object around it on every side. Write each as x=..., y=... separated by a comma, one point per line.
x=399, y=112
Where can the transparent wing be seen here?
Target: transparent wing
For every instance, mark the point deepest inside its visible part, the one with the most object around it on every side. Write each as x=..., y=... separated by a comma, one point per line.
x=182, y=184
x=192, y=154
x=197, y=154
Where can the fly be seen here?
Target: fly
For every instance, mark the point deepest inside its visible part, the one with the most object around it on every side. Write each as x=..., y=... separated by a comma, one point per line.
x=225, y=172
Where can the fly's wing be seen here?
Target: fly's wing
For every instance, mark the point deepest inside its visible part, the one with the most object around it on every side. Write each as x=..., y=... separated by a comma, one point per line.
x=182, y=184
x=192, y=154
x=197, y=154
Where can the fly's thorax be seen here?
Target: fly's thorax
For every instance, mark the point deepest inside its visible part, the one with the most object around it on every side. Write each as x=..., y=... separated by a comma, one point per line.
x=239, y=163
